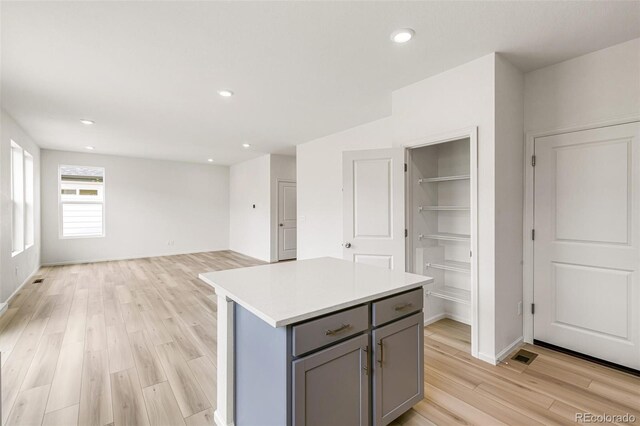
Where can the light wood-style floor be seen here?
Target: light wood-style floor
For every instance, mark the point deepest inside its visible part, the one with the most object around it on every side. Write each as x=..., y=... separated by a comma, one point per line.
x=134, y=343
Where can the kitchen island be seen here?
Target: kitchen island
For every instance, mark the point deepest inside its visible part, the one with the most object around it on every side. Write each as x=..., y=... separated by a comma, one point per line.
x=317, y=342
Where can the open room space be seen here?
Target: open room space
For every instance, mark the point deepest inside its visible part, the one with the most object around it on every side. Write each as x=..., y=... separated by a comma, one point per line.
x=321, y=213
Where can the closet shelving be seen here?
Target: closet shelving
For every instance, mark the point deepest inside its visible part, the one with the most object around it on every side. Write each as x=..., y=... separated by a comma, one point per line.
x=445, y=236
x=441, y=196
x=451, y=265
x=442, y=208
x=443, y=178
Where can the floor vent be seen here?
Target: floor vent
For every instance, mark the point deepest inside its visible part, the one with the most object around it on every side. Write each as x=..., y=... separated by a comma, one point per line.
x=38, y=281
x=524, y=357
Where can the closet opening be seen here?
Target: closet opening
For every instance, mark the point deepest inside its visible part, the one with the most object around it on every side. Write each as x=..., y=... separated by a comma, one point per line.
x=441, y=238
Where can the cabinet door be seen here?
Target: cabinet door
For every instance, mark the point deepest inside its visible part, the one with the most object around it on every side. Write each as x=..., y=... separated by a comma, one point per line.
x=331, y=387
x=398, y=373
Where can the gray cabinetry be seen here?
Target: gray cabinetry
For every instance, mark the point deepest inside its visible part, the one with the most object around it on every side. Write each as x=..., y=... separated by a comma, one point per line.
x=397, y=368
x=331, y=387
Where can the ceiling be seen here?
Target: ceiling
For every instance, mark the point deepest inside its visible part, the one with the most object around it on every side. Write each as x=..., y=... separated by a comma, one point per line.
x=148, y=72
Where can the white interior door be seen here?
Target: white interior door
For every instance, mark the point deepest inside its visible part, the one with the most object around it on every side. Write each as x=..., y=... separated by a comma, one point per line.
x=587, y=242
x=287, y=220
x=373, y=191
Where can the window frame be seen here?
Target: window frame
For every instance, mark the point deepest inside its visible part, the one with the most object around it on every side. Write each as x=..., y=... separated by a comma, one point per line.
x=14, y=225
x=29, y=179
x=60, y=205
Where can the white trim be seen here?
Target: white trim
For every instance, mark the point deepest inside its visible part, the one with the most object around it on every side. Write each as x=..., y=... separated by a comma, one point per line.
x=528, y=211
x=506, y=351
x=435, y=318
x=225, y=407
x=495, y=360
x=113, y=259
x=472, y=134
x=4, y=305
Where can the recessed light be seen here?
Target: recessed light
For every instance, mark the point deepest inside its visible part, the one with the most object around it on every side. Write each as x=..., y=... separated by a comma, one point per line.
x=402, y=35
x=87, y=122
x=90, y=148
x=210, y=160
x=225, y=93
x=246, y=145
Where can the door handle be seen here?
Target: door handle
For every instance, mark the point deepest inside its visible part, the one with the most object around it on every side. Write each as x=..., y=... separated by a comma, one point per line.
x=381, y=360
x=347, y=245
x=366, y=361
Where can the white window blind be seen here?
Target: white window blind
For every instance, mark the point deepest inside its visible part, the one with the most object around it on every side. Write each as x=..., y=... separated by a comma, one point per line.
x=81, y=197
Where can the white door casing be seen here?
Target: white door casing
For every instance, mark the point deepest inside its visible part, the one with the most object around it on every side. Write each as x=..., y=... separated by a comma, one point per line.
x=287, y=230
x=373, y=206
x=587, y=242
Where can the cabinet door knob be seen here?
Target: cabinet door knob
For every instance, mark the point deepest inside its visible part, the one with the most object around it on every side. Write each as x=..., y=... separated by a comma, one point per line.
x=281, y=224
x=347, y=245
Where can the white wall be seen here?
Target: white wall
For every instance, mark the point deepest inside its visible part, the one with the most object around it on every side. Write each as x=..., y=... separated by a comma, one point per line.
x=249, y=227
x=459, y=98
x=320, y=185
x=478, y=93
x=509, y=135
x=599, y=86
x=282, y=168
x=15, y=270
x=149, y=203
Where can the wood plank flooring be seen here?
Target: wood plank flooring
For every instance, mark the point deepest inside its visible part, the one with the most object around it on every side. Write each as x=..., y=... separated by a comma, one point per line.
x=134, y=343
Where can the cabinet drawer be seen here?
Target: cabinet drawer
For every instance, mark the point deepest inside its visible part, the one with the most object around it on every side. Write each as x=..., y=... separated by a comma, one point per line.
x=396, y=306
x=323, y=331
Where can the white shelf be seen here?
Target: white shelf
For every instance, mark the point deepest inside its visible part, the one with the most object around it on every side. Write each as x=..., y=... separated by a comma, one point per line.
x=445, y=237
x=444, y=178
x=443, y=208
x=451, y=265
x=451, y=293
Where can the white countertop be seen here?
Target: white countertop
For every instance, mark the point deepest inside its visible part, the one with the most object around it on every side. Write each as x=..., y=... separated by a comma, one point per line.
x=289, y=292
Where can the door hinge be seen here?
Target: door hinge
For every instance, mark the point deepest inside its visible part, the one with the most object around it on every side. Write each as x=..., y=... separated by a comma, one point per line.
x=405, y=167
x=533, y=160
x=406, y=233
x=533, y=309
x=533, y=234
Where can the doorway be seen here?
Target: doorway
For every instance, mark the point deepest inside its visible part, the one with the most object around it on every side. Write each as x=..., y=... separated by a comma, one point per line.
x=415, y=209
x=585, y=242
x=287, y=230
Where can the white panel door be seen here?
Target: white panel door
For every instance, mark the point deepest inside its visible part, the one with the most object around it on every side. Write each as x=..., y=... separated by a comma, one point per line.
x=287, y=230
x=373, y=191
x=587, y=242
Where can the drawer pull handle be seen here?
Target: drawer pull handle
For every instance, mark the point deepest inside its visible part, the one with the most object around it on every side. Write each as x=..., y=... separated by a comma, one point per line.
x=403, y=306
x=335, y=331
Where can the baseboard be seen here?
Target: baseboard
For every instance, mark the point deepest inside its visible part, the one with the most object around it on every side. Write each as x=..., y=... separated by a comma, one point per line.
x=438, y=317
x=506, y=351
x=495, y=360
x=5, y=305
x=433, y=319
x=115, y=259
x=487, y=358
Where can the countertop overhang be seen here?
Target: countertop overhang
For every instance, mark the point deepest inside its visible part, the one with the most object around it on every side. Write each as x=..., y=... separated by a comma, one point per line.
x=289, y=292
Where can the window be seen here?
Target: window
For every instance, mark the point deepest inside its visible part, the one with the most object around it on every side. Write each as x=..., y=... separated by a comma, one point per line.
x=17, y=198
x=29, y=216
x=81, y=196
